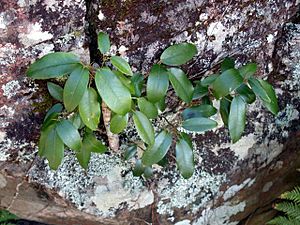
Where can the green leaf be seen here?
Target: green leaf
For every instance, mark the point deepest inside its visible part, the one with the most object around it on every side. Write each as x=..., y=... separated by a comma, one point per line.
x=158, y=150
x=112, y=91
x=103, y=42
x=178, y=54
x=92, y=144
x=237, y=118
x=158, y=83
x=57, y=108
x=83, y=156
x=118, y=123
x=53, y=148
x=138, y=169
x=55, y=91
x=206, y=100
x=161, y=104
x=76, y=121
x=121, y=64
x=69, y=134
x=163, y=162
x=258, y=89
x=209, y=80
x=199, y=124
x=246, y=93
x=75, y=87
x=187, y=138
x=248, y=70
x=130, y=152
x=225, y=109
x=138, y=81
x=227, y=82
x=148, y=108
x=199, y=111
x=181, y=84
x=53, y=65
x=273, y=105
x=144, y=127
x=148, y=172
x=90, y=109
x=51, y=119
x=228, y=63
x=125, y=80
x=200, y=91
x=185, y=157
x=43, y=137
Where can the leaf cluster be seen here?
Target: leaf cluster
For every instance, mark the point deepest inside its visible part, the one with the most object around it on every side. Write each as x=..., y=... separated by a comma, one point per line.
x=75, y=117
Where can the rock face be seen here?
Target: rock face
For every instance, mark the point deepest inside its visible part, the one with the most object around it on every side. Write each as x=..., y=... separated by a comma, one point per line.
x=232, y=184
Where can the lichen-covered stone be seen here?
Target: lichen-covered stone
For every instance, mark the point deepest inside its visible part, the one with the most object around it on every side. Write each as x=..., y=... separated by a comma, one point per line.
x=231, y=181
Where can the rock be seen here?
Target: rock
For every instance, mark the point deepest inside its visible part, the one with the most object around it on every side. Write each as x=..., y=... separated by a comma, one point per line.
x=232, y=183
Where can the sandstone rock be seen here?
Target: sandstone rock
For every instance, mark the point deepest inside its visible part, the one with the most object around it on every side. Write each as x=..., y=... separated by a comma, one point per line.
x=232, y=183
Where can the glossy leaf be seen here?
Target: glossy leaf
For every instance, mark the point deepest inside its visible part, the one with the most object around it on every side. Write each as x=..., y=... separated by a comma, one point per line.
x=144, y=127
x=148, y=108
x=273, y=105
x=199, y=124
x=228, y=63
x=209, y=80
x=75, y=87
x=76, y=121
x=103, y=42
x=138, y=81
x=43, y=138
x=248, y=70
x=55, y=91
x=83, y=156
x=227, y=82
x=158, y=83
x=125, y=80
x=199, y=111
x=185, y=157
x=148, y=172
x=225, y=109
x=181, y=84
x=161, y=104
x=138, y=169
x=158, y=150
x=237, y=118
x=53, y=65
x=246, y=93
x=69, y=134
x=130, y=152
x=200, y=91
x=187, y=138
x=53, y=149
x=259, y=90
x=90, y=109
x=51, y=119
x=57, y=108
x=118, y=123
x=112, y=91
x=178, y=54
x=90, y=142
x=121, y=64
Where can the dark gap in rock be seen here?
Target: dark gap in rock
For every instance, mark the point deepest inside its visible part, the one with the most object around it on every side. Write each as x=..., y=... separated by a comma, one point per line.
x=92, y=10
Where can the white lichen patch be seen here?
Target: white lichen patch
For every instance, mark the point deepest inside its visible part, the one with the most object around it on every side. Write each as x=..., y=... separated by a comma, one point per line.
x=183, y=222
x=220, y=215
x=111, y=193
x=35, y=35
x=102, y=184
x=10, y=89
x=233, y=190
x=101, y=16
x=179, y=192
x=219, y=32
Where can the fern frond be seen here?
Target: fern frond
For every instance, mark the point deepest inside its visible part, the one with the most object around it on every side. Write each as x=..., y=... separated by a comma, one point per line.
x=293, y=195
x=291, y=209
x=281, y=220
